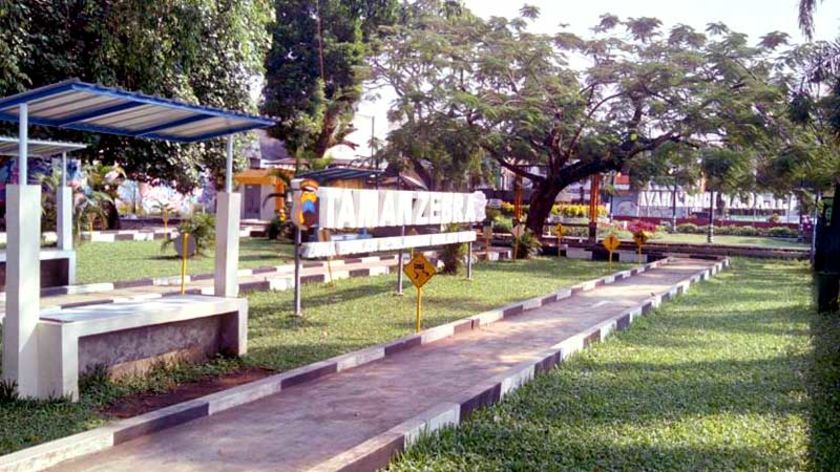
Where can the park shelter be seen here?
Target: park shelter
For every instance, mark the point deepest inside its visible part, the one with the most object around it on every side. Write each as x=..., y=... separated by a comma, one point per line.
x=259, y=185
x=58, y=266
x=44, y=369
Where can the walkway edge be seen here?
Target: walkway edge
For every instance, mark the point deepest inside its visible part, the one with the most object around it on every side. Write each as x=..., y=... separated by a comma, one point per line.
x=51, y=453
x=377, y=452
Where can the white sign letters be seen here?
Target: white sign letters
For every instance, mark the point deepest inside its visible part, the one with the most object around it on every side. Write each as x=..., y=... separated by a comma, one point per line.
x=341, y=208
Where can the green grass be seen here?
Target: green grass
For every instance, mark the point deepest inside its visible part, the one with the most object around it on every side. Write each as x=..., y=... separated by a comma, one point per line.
x=758, y=241
x=356, y=313
x=724, y=378
x=131, y=260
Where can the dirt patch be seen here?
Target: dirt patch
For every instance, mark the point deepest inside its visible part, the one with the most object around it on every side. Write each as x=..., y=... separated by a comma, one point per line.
x=144, y=402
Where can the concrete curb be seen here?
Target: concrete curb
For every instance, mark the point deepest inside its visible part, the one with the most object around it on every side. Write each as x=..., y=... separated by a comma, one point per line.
x=52, y=453
x=81, y=289
x=378, y=451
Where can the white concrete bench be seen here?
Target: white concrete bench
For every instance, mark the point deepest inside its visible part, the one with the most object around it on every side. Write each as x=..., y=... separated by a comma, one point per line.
x=58, y=267
x=131, y=337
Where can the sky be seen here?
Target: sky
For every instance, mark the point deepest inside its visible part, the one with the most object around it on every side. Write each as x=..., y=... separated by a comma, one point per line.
x=752, y=17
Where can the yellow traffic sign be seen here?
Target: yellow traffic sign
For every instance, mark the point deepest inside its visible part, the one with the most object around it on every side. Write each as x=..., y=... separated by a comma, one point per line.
x=559, y=231
x=640, y=238
x=419, y=270
x=611, y=243
x=518, y=231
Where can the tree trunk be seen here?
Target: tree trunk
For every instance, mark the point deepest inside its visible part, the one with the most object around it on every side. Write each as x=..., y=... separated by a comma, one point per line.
x=542, y=199
x=710, y=236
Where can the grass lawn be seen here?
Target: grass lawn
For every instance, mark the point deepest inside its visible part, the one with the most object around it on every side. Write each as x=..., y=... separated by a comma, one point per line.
x=723, y=378
x=131, y=260
x=354, y=314
x=685, y=238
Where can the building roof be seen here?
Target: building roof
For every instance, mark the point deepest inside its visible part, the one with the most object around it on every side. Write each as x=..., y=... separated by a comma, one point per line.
x=37, y=148
x=77, y=105
x=339, y=173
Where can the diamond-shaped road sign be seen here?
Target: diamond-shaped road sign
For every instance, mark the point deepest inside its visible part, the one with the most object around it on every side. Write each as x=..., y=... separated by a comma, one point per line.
x=419, y=270
x=611, y=243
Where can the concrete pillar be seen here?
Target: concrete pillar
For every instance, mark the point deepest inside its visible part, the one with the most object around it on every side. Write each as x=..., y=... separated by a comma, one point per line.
x=227, y=244
x=64, y=211
x=23, y=287
x=64, y=220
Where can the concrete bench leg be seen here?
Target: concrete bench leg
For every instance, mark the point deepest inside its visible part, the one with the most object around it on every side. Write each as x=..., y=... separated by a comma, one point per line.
x=235, y=333
x=59, y=361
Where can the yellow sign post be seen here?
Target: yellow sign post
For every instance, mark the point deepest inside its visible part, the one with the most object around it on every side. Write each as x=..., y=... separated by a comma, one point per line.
x=640, y=238
x=611, y=243
x=185, y=240
x=419, y=270
x=559, y=231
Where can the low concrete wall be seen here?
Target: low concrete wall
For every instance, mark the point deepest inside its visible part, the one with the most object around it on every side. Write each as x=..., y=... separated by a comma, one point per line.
x=141, y=349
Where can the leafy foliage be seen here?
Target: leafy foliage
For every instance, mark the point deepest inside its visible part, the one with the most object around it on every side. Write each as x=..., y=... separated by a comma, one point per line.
x=201, y=228
x=528, y=245
x=200, y=51
x=512, y=96
x=315, y=69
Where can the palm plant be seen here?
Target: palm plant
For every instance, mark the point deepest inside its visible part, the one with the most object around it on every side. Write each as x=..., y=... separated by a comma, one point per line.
x=806, y=16
x=106, y=179
x=202, y=230
x=49, y=206
x=89, y=208
x=164, y=209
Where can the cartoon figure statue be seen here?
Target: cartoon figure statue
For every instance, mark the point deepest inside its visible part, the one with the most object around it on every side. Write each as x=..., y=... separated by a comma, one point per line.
x=305, y=208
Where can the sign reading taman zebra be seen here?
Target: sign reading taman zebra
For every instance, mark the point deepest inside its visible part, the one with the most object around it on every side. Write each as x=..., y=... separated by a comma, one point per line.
x=341, y=208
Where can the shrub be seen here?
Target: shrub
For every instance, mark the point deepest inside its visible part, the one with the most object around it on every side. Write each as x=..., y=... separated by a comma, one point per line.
x=277, y=229
x=746, y=231
x=782, y=232
x=507, y=208
x=690, y=228
x=503, y=224
x=8, y=391
x=576, y=211
x=528, y=245
x=452, y=256
x=726, y=230
x=202, y=229
x=576, y=231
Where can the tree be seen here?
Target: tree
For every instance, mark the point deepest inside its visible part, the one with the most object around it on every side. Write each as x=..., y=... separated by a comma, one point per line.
x=528, y=108
x=199, y=51
x=315, y=69
x=807, y=8
x=673, y=165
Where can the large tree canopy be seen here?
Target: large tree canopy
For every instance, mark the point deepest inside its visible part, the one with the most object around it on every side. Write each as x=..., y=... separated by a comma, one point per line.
x=200, y=51
x=573, y=107
x=315, y=69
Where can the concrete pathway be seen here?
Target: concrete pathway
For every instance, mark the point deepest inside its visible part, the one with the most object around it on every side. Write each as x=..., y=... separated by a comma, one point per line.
x=308, y=424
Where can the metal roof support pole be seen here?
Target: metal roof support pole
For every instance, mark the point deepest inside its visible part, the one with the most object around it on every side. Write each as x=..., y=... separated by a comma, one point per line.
x=228, y=207
x=23, y=145
x=23, y=276
x=229, y=165
x=64, y=214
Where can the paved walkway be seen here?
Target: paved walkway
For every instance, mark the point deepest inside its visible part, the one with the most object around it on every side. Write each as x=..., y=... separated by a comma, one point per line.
x=307, y=424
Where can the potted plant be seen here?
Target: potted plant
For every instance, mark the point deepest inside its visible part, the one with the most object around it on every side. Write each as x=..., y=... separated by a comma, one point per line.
x=201, y=228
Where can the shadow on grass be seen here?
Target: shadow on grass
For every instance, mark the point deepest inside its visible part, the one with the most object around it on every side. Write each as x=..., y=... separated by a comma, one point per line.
x=823, y=379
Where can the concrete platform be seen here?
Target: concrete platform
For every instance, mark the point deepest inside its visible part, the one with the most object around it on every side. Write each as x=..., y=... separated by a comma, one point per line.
x=356, y=419
x=185, y=327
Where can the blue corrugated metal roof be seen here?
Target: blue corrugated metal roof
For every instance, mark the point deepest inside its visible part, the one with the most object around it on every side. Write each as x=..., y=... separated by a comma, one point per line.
x=38, y=148
x=339, y=173
x=82, y=106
